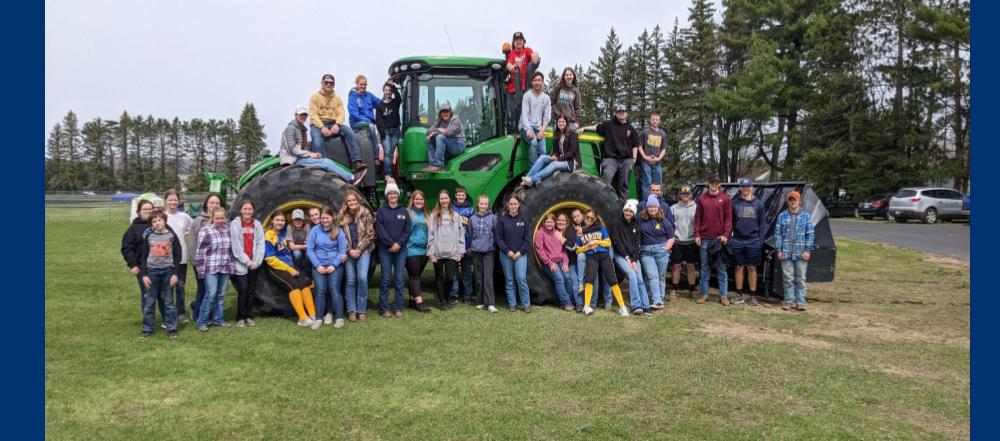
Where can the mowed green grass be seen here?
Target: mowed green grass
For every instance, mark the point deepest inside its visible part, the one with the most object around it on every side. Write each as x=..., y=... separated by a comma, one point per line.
x=882, y=353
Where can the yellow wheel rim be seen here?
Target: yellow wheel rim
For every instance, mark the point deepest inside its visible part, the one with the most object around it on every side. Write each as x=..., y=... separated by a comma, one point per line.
x=287, y=208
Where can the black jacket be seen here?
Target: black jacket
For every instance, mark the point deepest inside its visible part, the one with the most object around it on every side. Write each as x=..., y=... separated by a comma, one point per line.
x=568, y=151
x=387, y=114
x=619, y=138
x=625, y=238
x=132, y=242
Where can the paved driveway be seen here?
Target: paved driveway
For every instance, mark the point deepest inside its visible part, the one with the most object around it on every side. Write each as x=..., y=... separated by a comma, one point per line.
x=944, y=238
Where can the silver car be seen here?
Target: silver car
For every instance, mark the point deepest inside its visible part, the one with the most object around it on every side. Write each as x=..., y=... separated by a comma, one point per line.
x=929, y=204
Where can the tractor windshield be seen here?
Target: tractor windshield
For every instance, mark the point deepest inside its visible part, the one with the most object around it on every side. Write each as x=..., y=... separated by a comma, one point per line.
x=473, y=101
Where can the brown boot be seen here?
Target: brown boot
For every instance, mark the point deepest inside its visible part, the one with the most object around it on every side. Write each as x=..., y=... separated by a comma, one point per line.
x=724, y=300
x=352, y=317
x=363, y=317
x=672, y=296
x=701, y=300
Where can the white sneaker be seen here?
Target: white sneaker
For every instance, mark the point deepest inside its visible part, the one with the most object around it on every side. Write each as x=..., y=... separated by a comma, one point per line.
x=623, y=312
x=587, y=310
x=306, y=322
x=328, y=319
x=492, y=308
x=480, y=306
x=241, y=324
x=316, y=324
x=339, y=323
x=250, y=322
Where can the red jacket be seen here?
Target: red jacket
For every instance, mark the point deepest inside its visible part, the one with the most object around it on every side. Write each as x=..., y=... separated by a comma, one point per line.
x=548, y=248
x=714, y=216
x=519, y=60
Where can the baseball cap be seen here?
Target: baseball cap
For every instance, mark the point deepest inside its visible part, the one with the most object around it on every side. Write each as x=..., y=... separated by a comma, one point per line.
x=298, y=214
x=745, y=182
x=445, y=106
x=517, y=35
x=621, y=108
x=685, y=189
x=300, y=110
x=714, y=178
x=328, y=77
x=795, y=195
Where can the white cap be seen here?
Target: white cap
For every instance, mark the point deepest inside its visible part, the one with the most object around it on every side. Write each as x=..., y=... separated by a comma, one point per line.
x=631, y=204
x=391, y=187
x=300, y=110
x=298, y=214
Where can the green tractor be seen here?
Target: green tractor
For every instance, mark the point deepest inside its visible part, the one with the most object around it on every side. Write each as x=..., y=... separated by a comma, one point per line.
x=492, y=164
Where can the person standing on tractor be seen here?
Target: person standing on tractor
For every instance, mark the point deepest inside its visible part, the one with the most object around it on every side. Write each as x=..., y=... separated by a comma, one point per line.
x=212, y=201
x=358, y=224
x=445, y=139
x=522, y=62
x=180, y=222
x=281, y=269
x=685, y=251
x=713, y=222
x=388, y=123
x=536, y=111
x=327, y=248
x=565, y=155
x=513, y=239
x=361, y=106
x=620, y=147
x=749, y=227
x=626, y=239
x=160, y=263
x=416, y=248
x=596, y=243
x=293, y=150
x=326, y=111
x=248, y=254
x=794, y=239
x=462, y=285
x=657, y=226
x=550, y=252
x=565, y=98
x=392, y=229
x=482, y=244
x=445, y=246
x=213, y=262
x=652, y=149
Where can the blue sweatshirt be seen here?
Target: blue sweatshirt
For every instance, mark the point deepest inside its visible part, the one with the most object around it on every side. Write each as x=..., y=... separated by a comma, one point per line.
x=481, y=228
x=749, y=220
x=392, y=225
x=417, y=244
x=322, y=250
x=512, y=234
x=596, y=233
x=466, y=212
x=361, y=108
x=656, y=232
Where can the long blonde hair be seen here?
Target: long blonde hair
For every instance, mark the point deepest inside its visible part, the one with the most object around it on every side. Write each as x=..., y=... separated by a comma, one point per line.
x=346, y=216
x=409, y=204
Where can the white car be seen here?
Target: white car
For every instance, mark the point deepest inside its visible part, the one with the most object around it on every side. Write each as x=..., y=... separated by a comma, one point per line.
x=928, y=204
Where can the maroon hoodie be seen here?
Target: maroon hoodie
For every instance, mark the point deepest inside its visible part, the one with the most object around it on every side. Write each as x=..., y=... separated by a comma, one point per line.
x=714, y=216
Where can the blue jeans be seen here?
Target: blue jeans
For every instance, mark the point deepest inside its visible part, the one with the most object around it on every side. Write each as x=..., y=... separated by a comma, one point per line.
x=573, y=285
x=353, y=152
x=215, y=291
x=638, y=296
x=655, y=260
x=794, y=273
x=328, y=288
x=516, y=271
x=544, y=167
x=393, y=270
x=559, y=279
x=160, y=292
x=441, y=147
x=198, y=298
x=706, y=271
x=536, y=147
x=326, y=164
x=650, y=174
x=389, y=148
x=357, y=283
x=465, y=277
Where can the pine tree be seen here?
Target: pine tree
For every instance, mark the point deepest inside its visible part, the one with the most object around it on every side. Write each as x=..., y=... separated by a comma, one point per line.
x=607, y=75
x=251, y=137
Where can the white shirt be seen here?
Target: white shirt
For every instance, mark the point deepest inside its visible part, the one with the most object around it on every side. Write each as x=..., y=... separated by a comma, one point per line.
x=180, y=222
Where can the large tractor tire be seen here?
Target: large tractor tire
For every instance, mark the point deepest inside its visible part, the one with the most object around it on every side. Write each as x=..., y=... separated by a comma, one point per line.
x=283, y=189
x=563, y=192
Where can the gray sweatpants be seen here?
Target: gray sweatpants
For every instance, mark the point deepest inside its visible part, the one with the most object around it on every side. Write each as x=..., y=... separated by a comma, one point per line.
x=614, y=172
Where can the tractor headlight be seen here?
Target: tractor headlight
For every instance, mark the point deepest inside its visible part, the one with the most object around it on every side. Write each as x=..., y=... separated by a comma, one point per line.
x=404, y=68
x=415, y=66
x=495, y=66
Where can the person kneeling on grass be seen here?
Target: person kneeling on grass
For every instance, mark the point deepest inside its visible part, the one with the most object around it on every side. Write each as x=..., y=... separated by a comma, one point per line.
x=293, y=150
x=445, y=139
x=794, y=237
x=482, y=245
x=213, y=261
x=595, y=243
x=565, y=155
x=160, y=263
x=281, y=269
x=550, y=252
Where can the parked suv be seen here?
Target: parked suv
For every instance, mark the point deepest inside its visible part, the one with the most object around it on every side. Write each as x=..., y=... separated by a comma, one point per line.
x=928, y=204
x=876, y=205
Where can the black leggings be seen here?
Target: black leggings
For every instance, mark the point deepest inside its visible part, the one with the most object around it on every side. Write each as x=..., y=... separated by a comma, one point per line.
x=246, y=290
x=600, y=262
x=287, y=280
x=444, y=273
x=414, y=268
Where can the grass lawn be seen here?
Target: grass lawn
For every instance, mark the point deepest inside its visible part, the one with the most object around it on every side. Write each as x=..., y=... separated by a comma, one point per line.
x=882, y=353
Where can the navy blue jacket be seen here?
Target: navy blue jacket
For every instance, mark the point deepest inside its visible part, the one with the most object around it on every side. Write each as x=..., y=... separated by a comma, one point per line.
x=655, y=232
x=512, y=234
x=749, y=220
x=392, y=225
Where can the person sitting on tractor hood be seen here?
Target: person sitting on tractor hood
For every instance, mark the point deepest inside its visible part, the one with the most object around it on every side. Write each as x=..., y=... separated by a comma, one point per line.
x=620, y=147
x=445, y=139
x=536, y=111
x=293, y=150
x=328, y=121
x=361, y=109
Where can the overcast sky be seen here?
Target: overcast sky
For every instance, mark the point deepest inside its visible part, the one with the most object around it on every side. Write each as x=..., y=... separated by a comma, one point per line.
x=206, y=59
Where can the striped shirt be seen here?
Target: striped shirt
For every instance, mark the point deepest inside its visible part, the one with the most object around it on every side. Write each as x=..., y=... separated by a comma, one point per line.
x=214, y=253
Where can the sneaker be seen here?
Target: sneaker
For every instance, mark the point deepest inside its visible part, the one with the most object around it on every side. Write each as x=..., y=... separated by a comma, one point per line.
x=339, y=323
x=638, y=311
x=738, y=299
x=224, y=325
x=432, y=169
x=306, y=322
x=786, y=306
x=203, y=328
x=657, y=306
x=526, y=181
x=359, y=175
x=172, y=334
x=623, y=311
x=182, y=318
x=328, y=319
x=386, y=314
x=241, y=323
x=399, y=314
x=724, y=300
x=587, y=310
x=316, y=324
x=647, y=311
x=163, y=326
x=362, y=317
x=453, y=301
x=513, y=309
x=352, y=317
x=568, y=308
x=420, y=307
x=527, y=310
x=470, y=302
x=701, y=300
x=579, y=309
x=251, y=322
x=480, y=306
x=607, y=306
x=752, y=301
x=692, y=293
x=492, y=308
x=145, y=334
x=360, y=165
x=801, y=307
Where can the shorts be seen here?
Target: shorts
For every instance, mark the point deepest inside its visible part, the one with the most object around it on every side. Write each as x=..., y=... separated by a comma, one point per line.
x=600, y=262
x=685, y=253
x=746, y=253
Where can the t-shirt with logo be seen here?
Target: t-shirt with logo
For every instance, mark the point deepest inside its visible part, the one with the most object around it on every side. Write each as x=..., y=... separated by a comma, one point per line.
x=161, y=254
x=247, y=230
x=520, y=59
x=652, y=141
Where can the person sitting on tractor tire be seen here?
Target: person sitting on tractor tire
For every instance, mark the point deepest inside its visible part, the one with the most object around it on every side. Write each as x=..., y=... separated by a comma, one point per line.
x=445, y=139
x=388, y=123
x=619, y=150
x=566, y=98
x=536, y=111
x=565, y=155
x=361, y=109
x=358, y=224
x=513, y=240
x=293, y=150
x=595, y=242
x=298, y=231
x=327, y=116
x=522, y=62
x=281, y=269
x=445, y=246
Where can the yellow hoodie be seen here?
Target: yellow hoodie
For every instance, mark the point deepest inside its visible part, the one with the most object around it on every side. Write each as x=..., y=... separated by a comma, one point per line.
x=325, y=107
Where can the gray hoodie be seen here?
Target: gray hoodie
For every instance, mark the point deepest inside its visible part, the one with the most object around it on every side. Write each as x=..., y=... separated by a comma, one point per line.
x=445, y=238
x=453, y=129
x=684, y=221
x=291, y=143
x=240, y=260
x=482, y=232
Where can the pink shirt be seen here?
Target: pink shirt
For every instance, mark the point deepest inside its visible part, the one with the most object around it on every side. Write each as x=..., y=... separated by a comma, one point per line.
x=548, y=247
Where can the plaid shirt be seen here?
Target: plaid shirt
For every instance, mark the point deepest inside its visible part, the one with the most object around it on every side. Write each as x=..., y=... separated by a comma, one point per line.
x=804, y=234
x=214, y=253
